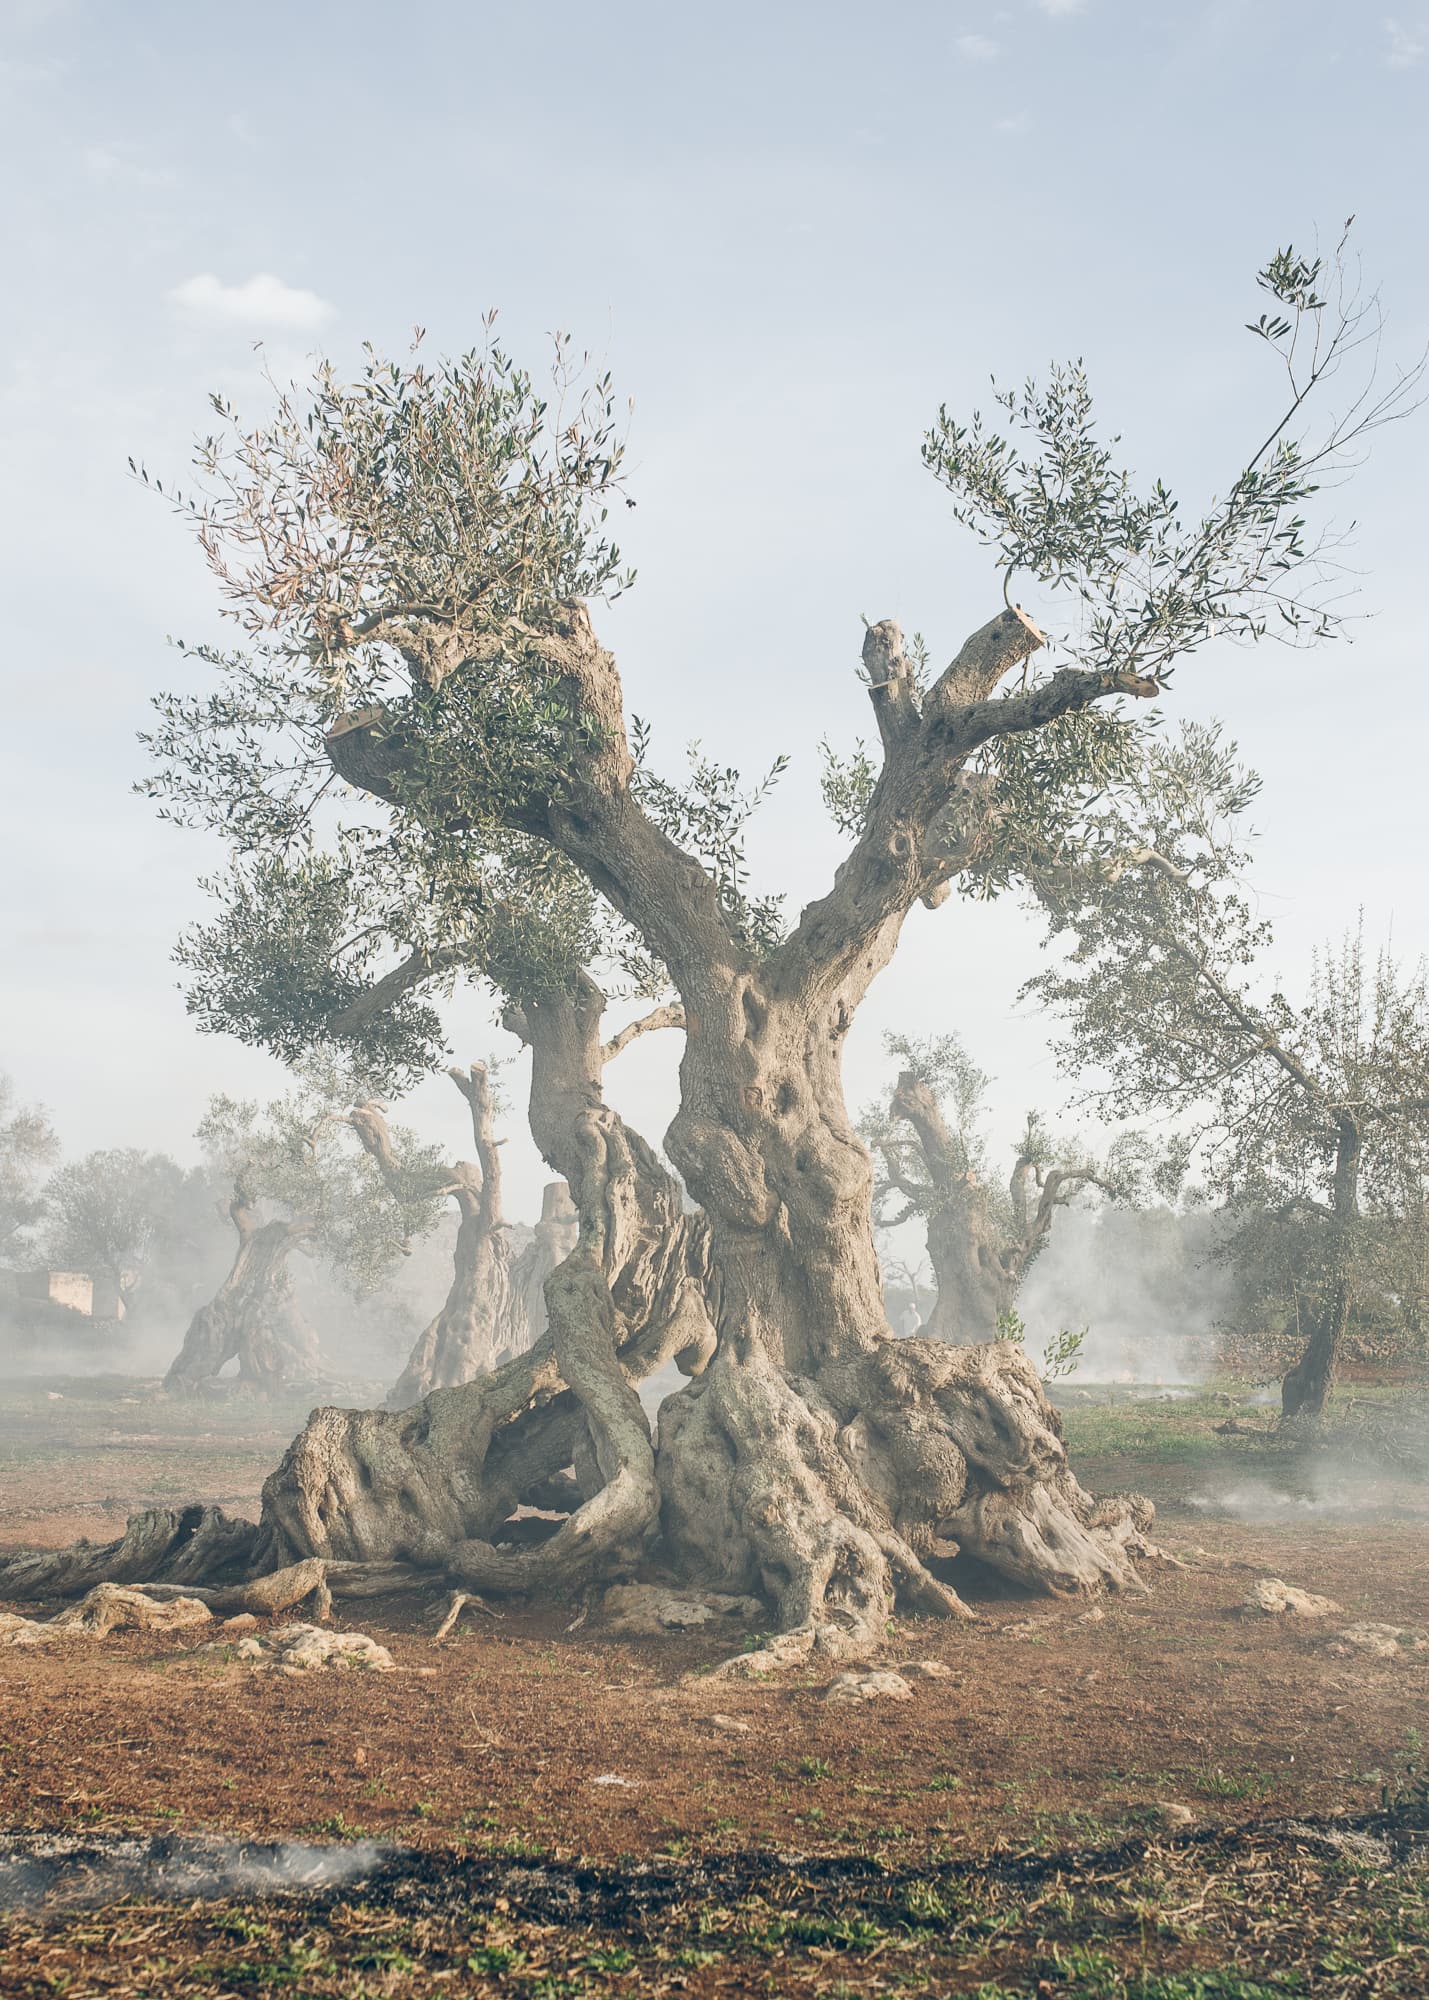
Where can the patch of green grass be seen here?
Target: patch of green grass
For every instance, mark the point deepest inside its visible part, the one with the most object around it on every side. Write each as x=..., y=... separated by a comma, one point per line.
x=1214, y=1783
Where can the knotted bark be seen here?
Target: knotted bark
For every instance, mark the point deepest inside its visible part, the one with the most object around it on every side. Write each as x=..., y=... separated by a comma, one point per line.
x=560, y=1428
x=253, y=1315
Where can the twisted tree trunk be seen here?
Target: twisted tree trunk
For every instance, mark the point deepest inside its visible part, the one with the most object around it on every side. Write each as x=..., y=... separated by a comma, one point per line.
x=475, y=1328
x=561, y=1428
x=253, y=1314
x=811, y=1455
x=818, y=1459
x=1305, y=1389
x=978, y=1265
x=553, y=1241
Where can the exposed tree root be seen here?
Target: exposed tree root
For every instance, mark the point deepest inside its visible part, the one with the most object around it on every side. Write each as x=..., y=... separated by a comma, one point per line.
x=828, y=1495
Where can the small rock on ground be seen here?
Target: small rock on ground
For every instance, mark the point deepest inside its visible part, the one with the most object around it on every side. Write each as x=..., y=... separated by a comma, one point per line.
x=928, y=1670
x=298, y=1649
x=18, y=1631
x=730, y=1723
x=645, y=1610
x=1277, y=1599
x=1383, y=1642
x=880, y=1685
x=1170, y=1813
x=785, y=1649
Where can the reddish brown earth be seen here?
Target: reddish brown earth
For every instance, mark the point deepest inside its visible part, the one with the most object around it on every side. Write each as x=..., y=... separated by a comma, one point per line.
x=1052, y=1735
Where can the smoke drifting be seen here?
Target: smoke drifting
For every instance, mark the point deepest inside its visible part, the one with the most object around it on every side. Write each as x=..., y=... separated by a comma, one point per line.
x=1146, y=1283
x=87, y=1871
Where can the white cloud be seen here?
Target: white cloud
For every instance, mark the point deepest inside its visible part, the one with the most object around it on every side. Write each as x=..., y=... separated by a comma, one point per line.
x=113, y=163
x=1406, y=44
x=1018, y=122
x=976, y=48
x=1059, y=9
x=261, y=300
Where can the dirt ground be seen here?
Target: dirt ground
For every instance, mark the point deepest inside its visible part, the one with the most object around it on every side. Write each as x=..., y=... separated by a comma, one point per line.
x=1170, y=1797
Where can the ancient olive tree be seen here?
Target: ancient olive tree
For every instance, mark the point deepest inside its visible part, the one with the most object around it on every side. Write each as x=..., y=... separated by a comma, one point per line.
x=413, y=559
x=300, y=1181
x=1308, y=1120
x=934, y=1168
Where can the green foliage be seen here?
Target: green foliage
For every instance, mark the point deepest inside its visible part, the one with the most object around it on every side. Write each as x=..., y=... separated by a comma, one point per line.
x=300, y=1158
x=846, y=785
x=459, y=489
x=118, y=1209
x=1048, y=498
x=405, y=554
x=1063, y=1352
x=1307, y=1120
x=707, y=817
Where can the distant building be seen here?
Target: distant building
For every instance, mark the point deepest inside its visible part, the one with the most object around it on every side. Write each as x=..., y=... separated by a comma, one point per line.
x=33, y=1302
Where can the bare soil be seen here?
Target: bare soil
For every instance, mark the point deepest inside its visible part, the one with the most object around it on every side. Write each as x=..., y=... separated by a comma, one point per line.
x=1013, y=1829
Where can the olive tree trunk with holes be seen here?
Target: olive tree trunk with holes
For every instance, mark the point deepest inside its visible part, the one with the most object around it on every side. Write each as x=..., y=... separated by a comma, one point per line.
x=811, y=1456
x=252, y=1317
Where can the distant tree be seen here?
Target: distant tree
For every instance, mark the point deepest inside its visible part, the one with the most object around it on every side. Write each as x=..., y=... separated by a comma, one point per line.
x=470, y=1332
x=299, y=1181
x=934, y=1167
x=28, y=1148
x=114, y=1212
x=1309, y=1119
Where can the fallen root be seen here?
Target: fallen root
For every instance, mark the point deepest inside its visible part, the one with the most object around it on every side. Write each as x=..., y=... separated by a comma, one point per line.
x=178, y=1545
x=109, y=1607
x=461, y=1600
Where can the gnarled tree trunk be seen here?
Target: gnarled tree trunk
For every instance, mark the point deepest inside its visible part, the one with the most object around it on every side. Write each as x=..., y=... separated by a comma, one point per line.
x=253, y=1314
x=978, y=1265
x=817, y=1458
x=560, y=1428
x=475, y=1327
x=811, y=1455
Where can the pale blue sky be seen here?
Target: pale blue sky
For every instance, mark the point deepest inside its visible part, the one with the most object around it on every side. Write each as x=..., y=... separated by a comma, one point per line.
x=792, y=231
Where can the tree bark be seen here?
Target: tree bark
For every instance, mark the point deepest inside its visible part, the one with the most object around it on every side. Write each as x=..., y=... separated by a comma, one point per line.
x=1307, y=1386
x=560, y=1428
x=253, y=1314
x=811, y=1455
x=810, y=1452
x=475, y=1327
x=553, y=1241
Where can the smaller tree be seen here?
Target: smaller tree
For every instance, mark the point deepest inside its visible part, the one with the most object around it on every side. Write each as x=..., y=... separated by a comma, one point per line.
x=297, y=1185
x=496, y=1306
x=28, y=1148
x=983, y=1237
x=1309, y=1120
x=114, y=1212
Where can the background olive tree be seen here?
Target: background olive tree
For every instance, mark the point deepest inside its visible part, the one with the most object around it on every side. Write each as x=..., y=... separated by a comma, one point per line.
x=1307, y=1119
